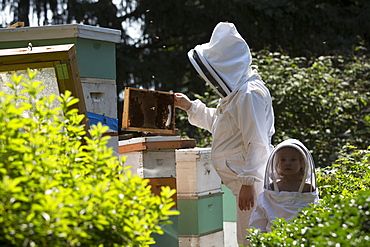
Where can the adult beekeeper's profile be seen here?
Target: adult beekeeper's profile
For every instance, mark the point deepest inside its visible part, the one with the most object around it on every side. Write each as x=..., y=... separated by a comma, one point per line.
x=290, y=185
x=243, y=122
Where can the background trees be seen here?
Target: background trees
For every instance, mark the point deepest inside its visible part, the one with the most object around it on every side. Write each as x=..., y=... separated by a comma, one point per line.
x=319, y=80
x=169, y=29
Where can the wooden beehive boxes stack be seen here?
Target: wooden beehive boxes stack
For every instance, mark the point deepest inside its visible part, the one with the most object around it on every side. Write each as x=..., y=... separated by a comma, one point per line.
x=154, y=158
x=199, y=198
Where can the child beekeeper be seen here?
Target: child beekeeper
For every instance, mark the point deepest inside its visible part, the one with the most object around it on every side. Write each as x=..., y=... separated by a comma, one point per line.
x=290, y=185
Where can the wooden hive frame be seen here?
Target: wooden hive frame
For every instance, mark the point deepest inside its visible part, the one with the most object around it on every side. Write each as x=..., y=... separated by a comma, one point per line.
x=148, y=111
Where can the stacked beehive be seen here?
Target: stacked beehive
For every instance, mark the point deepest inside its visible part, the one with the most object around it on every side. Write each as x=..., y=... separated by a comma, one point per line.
x=199, y=198
x=154, y=158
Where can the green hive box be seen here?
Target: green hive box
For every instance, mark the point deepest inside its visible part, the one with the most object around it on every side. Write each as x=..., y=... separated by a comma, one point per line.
x=170, y=237
x=95, y=45
x=229, y=205
x=200, y=215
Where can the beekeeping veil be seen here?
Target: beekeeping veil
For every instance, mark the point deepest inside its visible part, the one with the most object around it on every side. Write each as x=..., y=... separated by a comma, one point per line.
x=272, y=177
x=272, y=203
x=225, y=62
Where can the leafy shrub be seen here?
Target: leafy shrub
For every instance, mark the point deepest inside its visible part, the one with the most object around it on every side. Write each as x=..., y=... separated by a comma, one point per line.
x=60, y=188
x=348, y=175
x=323, y=102
x=336, y=222
x=343, y=216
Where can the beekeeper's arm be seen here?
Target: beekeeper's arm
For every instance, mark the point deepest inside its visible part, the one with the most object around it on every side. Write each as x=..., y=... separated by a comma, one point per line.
x=198, y=113
x=251, y=119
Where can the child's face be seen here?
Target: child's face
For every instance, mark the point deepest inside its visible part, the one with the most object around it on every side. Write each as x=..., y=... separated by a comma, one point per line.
x=289, y=162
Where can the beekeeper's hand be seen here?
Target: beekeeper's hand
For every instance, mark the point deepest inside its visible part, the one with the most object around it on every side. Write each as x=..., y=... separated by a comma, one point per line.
x=182, y=101
x=246, y=197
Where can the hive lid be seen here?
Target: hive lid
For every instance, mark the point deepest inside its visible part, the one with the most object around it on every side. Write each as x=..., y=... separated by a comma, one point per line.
x=60, y=32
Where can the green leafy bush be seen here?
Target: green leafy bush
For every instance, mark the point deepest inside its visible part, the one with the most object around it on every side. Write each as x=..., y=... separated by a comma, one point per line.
x=343, y=216
x=323, y=102
x=60, y=188
x=336, y=222
x=348, y=175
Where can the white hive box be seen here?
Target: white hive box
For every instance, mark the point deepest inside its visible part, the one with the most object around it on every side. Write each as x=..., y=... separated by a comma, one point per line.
x=215, y=239
x=150, y=157
x=100, y=96
x=113, y=143
x=196, y=175
x=152, y=163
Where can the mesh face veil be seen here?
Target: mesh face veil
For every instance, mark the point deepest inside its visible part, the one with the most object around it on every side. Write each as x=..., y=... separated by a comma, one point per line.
x=215, y=82
x=272, y=177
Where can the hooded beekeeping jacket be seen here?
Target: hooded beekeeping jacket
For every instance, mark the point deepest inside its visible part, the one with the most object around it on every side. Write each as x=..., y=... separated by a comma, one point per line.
x=273, y=203
x=243, y=122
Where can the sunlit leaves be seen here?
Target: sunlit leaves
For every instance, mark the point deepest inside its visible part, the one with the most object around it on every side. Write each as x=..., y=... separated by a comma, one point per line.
x=61, y=188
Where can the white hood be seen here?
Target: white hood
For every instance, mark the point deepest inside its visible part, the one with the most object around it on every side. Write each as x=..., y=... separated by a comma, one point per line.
x=225, y=62
x=273, y=203
x=271, y=177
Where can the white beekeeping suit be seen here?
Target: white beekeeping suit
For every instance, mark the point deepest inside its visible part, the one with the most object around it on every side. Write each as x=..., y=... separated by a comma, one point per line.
x=273, y=203
x=243, y=123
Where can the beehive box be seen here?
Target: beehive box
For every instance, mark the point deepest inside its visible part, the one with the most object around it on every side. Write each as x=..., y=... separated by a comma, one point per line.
x=196, y=175
x=154, y=158
x=154, y=142
x=150, y=157
x=95, y=46
x=170, y=238
x=158, y=163
x=100, y=96
x=200, y=215
x=215, y=239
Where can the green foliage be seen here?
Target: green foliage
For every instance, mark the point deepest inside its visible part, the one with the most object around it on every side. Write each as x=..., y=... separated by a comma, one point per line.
x=335, y=222
x=60, y=188
x=324, y=102
x=343, y=216
x=348, y=175
x=321, y=101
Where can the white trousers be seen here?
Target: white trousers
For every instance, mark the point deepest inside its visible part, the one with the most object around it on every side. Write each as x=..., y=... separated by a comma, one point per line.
x=242, y=224
x=231, y=181
x=243, y=217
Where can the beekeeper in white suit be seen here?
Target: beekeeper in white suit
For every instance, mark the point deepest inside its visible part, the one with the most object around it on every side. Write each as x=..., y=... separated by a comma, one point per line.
x=243, y=122
x=290, y=185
